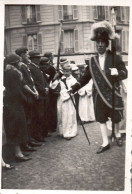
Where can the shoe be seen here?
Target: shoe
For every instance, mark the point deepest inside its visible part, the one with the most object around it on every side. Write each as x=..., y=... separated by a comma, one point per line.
x=22, y=159
x=48, y=135
x=34, y=140
x=32, y=143
x=119, y=141
x=40, y=139
x=28, y=149
x=68, y=138
x=26, y=153
x=8, y=166
x=103, y=149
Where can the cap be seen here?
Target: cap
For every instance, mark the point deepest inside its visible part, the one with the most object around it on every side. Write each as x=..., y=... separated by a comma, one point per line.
x=44, y=60
x=13, y=58
x=48, y=54
x=21, y=50
x=63, y=61
x=34, y=54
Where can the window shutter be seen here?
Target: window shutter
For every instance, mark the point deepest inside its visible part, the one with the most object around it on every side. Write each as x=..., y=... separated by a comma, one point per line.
x=25, y=40
x=38, y=17
x=127, y=41
x=62, y=42
x=127, y=14
x=24, y=14
x=122, y=14
x=123, y=41
x=60, y=12
x=95, y=12
x=39, y=41
x=101, y=12
x=107, y=13
x=76, y=46
x=75, y=12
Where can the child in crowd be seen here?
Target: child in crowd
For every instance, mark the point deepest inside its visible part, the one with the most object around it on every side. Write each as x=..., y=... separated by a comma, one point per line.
x=67, y=122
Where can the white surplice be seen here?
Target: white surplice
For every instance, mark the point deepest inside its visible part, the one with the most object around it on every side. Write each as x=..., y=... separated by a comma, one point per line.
x=86, y=109
x=68, y=124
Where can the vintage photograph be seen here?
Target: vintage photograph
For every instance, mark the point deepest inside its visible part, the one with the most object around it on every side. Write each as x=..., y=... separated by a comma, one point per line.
x=65, y=73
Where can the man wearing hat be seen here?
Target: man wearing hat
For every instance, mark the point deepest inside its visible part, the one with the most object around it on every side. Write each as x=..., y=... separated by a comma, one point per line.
x=101, y=70
x=46, y=67
x=41, y=86
x=50, y=56
x=31, y=95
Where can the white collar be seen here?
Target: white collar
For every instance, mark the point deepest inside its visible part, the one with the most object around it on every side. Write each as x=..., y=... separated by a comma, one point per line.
x=102, y=55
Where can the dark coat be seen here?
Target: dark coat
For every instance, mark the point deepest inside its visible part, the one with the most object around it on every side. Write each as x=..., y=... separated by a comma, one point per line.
x=122, y=71
x=13, y=113
x=39, y=80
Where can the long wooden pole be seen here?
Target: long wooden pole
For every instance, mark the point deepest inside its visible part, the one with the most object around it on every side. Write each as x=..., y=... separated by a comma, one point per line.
x=113, y=78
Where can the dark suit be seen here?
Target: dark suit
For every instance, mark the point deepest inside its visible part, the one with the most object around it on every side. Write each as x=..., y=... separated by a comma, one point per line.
x=40, y=118
x=28, y=108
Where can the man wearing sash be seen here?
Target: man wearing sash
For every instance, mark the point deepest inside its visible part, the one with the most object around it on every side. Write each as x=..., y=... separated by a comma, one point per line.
x=102, y=70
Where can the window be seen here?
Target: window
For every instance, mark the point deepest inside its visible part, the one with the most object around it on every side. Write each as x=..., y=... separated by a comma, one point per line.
x=127, y=14
x=67, y=12
x=118, y=41
x=125, y=41
x=33, y=42
x=30, y=14
x=69, y=41
x=101, y=12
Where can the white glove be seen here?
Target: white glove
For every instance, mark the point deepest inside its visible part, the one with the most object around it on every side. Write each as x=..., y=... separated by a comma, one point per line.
x=114, y=71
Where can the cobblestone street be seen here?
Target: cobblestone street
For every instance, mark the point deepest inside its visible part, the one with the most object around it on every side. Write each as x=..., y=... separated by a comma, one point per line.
x=70, y=165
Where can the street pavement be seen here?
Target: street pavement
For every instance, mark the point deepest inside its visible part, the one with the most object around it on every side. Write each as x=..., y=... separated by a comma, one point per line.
x=60, y=164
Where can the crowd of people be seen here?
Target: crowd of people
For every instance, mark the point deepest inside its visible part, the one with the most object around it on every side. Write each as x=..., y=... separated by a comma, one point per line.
x=36, y=102
x=40, y=99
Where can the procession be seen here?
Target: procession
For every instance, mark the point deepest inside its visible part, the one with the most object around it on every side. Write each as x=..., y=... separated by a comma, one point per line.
x=50, y=98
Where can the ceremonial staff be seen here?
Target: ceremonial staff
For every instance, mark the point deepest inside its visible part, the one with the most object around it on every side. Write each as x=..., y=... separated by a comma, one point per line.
x=113, y=48
x=64, y=81
x=59, y=47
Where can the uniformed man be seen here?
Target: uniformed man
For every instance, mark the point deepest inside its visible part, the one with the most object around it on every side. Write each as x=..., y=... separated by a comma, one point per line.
x=101, y=70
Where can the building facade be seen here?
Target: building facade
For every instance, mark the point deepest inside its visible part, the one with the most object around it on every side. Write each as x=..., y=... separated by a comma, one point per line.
x=38, y=28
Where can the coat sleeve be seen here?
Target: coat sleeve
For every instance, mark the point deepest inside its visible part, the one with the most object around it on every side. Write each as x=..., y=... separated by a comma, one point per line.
x=83, y=80
x=122, y=71
x=16, y=84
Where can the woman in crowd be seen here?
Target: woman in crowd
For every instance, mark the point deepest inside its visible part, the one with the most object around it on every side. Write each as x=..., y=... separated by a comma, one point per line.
x=13, y=113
